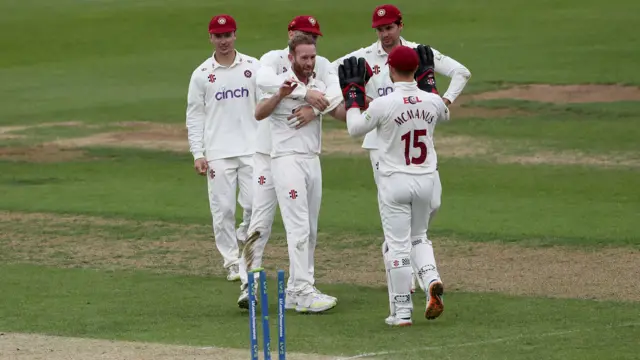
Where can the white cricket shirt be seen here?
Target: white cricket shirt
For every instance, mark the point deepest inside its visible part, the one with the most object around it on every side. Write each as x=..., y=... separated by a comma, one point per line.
x=221, y=105
x=380, y=84
x=275, y=63
x=405, y=120
x=307, y=140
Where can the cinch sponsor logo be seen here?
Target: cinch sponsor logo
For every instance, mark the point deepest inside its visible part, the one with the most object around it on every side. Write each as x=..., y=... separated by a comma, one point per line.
x=232, y=93
x=385, y=91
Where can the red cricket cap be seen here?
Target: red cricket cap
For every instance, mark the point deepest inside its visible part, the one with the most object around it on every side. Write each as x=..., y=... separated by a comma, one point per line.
x=403, y=58
x=221, y=24
x=385, y=15
x=305, y=23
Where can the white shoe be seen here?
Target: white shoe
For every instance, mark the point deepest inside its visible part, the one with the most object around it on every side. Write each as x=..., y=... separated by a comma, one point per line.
x=241, y=234
x=314, y=303
x=233, y=273
x=289, y=301
x=329, y=296
x=393, y=320
x=243, y=299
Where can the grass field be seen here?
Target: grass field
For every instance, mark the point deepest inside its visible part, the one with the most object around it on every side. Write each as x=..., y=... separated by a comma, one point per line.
x=105, y=240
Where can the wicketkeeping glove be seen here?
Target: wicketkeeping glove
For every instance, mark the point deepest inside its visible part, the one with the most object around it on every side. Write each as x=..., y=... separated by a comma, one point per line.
x=354, y=75
x=425, y=76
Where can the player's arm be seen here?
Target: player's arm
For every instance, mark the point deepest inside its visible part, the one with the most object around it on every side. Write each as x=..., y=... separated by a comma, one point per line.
x=195, y=123
x=333, y=92
x=269, y=102
x=443, y=111
x=267, y=78
x=195, y=117
x=458, y=73
x=360, y=123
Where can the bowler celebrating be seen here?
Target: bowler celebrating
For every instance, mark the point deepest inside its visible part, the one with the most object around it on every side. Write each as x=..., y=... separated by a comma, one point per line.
x=296, y=169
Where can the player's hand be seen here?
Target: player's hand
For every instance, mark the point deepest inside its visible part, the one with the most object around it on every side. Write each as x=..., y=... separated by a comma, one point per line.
x=201, y=166
x=287, y=88
x=352, y=73
x=425, y=75
x=316, y=99
x=301, y=117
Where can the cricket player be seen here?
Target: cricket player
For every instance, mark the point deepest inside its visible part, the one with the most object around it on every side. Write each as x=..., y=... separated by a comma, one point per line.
x=273, y=64
x=296, y=168
x=404, y=120
x=387, y=20
x=222, y=128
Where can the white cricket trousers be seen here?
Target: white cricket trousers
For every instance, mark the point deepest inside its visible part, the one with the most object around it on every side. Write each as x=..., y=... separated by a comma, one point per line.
x=298, y=183
x=436, y=200
x=264, y=207
x=405, y=207
x=223, y=179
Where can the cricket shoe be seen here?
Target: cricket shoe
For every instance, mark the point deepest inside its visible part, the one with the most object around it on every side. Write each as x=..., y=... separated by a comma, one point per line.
x=314, y=302
x=243, y=300
x=435, y=304
x=394, y=320
x=290, y=300
x=329, y=296
x=233, y=273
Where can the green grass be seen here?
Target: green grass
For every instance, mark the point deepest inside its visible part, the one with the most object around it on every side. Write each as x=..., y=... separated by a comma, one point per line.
x=590, y=128
x=132, y=60
x=481, y=201
x=107, y=61
x=196, y=311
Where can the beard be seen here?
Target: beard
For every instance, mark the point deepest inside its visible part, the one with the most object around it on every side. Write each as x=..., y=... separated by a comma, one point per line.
x=302, y=70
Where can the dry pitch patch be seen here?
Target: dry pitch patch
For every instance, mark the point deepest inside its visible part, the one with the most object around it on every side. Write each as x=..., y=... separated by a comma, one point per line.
x=173, y=137
x=94, y=242
x=40, y=347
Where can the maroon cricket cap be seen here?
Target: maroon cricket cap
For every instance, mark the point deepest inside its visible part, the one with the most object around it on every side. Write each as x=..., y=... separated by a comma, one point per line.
x=305, y=23
x=403, y=58
x=385, y=15
x=221, y=24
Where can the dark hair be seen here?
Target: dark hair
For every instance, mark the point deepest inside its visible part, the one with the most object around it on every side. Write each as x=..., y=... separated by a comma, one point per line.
x=300, y=39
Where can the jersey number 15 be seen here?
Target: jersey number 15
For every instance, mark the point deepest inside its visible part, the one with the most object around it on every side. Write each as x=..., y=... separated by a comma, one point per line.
x=412, y=140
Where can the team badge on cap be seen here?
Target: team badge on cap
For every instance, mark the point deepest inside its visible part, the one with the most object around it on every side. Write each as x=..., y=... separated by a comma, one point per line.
x=312, y=21
x=222, y=21
x=381, y=12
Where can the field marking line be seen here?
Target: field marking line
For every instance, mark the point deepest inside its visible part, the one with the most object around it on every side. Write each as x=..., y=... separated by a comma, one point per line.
x=485, y=342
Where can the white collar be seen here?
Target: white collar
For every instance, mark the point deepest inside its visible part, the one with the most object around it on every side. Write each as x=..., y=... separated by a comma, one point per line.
x=237, y=60
x=403, y=85
x=380, y=50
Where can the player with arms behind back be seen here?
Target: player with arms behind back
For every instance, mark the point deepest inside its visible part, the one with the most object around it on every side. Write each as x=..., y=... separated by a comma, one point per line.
x=221, y=129
x=404, y=121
